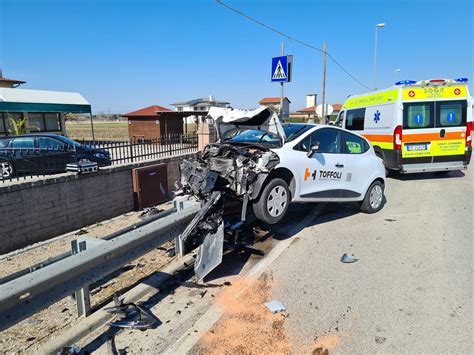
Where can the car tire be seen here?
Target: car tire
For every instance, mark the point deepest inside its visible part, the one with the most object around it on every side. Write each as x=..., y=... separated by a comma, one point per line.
x=373, y=200
x=7, y=171
x=273, y=202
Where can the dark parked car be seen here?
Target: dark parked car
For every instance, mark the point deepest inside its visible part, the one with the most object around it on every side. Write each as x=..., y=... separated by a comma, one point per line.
x=44, y=154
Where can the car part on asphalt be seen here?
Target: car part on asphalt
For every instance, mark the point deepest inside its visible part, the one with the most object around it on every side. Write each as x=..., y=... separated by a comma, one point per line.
x=275, y=306
x=347, y=259
x=141, y=318
x=83, y=166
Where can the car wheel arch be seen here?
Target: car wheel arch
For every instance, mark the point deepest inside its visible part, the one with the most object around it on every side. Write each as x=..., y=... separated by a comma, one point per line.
x=282, y=173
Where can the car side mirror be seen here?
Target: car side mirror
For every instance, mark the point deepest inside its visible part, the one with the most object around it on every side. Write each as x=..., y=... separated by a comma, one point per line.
x=314, y=149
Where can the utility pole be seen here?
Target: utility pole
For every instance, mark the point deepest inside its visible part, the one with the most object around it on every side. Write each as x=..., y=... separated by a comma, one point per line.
x=377, y=26
x=324, y=85
x=281, y=91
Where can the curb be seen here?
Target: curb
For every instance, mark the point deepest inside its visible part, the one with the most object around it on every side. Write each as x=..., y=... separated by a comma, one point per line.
x=100, y=317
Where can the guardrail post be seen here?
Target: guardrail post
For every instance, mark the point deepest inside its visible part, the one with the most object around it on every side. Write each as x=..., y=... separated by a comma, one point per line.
x=179, y=204
x=83, y=298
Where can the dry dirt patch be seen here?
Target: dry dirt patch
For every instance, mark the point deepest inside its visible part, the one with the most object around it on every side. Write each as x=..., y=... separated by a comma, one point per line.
x=247, y=326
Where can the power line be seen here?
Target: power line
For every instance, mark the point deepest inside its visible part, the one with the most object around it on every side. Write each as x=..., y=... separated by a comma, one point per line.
x=293, y=39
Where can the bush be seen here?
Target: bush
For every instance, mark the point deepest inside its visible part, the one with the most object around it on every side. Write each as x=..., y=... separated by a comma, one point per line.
x=294, y=120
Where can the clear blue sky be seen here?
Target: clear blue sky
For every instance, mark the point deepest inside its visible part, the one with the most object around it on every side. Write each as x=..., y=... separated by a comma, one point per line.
x=126, y=54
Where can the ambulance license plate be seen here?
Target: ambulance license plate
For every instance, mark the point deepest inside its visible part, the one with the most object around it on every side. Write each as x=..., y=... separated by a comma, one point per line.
x=417, y=147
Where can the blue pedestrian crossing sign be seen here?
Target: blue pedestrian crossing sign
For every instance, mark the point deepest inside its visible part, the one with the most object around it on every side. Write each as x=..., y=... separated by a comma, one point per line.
x=281, y=69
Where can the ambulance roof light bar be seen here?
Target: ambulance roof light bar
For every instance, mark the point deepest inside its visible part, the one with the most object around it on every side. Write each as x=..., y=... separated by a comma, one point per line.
x=405, y=82
x=461, y=80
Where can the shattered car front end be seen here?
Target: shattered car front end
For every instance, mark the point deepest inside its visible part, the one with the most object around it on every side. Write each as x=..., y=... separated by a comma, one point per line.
x=226, y=169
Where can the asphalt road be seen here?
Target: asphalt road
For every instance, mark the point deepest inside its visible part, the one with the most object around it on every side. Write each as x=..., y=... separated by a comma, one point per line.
x=411, y=290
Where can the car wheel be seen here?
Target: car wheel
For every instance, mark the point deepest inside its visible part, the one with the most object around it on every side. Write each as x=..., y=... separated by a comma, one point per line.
x=6, y=170
x=273, y=202
x=373, y=200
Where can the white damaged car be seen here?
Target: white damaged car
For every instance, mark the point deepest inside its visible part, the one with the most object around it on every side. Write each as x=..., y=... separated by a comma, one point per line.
x=268, y=165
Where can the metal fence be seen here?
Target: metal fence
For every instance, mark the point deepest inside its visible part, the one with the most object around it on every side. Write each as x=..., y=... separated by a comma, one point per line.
x=25, y=163
x=137, y=149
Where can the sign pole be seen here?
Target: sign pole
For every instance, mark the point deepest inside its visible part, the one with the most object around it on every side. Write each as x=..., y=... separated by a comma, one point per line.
x=282, y=90
x=323, y=118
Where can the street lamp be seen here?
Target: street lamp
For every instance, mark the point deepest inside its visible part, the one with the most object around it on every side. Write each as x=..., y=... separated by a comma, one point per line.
x=377, y=26
x=397, y=74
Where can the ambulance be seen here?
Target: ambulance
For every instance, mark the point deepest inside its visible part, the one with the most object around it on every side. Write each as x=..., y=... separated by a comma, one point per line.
x=415, y=126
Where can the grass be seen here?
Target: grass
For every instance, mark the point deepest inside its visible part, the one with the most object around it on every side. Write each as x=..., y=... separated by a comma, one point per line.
x=79, y=130
x=102, y=130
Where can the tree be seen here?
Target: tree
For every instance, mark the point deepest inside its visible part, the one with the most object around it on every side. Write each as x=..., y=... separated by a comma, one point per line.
x=17, y=127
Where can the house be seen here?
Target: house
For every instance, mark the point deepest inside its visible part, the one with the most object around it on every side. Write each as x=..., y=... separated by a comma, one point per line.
x=335, y=112
x=153, y=122
x=203, y=104
x=40, y=110
x=9, y=83
x=274, y=104
x=200, y=107
x=310, y=113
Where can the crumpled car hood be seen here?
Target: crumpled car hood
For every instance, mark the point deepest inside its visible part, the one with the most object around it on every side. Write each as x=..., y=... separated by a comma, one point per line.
x=263, y=119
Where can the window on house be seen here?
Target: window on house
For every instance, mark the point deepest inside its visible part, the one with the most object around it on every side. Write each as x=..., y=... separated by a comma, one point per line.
x=36, y=122
x=5, y=121
x=44, y=122
x=3, y=126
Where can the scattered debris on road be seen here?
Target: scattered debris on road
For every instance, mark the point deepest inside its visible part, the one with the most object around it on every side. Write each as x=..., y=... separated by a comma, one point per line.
x=225, y=171
x=275, y=306
x=347, y=259
x=141, y=318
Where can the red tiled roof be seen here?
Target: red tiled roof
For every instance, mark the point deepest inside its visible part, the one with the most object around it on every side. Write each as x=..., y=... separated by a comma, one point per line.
x=336, y=107
x=148, y=111
x=308, y=109
x=272, y=100
x=12, y=81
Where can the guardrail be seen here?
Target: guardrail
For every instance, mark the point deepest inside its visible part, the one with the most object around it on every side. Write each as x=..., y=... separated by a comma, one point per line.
x=32, y=292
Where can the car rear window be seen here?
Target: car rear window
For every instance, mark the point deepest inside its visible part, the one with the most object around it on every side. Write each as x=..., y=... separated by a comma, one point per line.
x=355, y=119
x=451, y=113
x=4, y=143
x=354, y=144
x=418, y=115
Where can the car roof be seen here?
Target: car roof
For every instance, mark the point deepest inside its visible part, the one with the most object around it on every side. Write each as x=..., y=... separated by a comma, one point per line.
x=51, y=135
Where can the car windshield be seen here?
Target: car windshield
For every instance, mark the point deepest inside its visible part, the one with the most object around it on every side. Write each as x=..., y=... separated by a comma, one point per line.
x=251, y=136
x=293, y=131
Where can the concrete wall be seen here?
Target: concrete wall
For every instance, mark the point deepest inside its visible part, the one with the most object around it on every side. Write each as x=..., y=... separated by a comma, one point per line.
x=40, y=209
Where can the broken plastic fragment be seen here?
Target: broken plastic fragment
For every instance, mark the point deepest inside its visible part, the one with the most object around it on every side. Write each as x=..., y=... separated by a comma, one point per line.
x=348, y=259
x=141, y=318
x=275, y=306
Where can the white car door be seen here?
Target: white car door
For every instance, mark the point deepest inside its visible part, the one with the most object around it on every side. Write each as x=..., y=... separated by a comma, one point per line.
x=359, y=162
x=320, y=175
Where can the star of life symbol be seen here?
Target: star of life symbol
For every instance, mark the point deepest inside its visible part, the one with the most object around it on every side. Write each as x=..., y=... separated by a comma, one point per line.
x=377, y=116
x=411, y=93
x=279, y=73
x=457, y=91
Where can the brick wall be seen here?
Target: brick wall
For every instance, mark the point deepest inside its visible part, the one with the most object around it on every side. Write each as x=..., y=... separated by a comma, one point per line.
x=40, y=209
